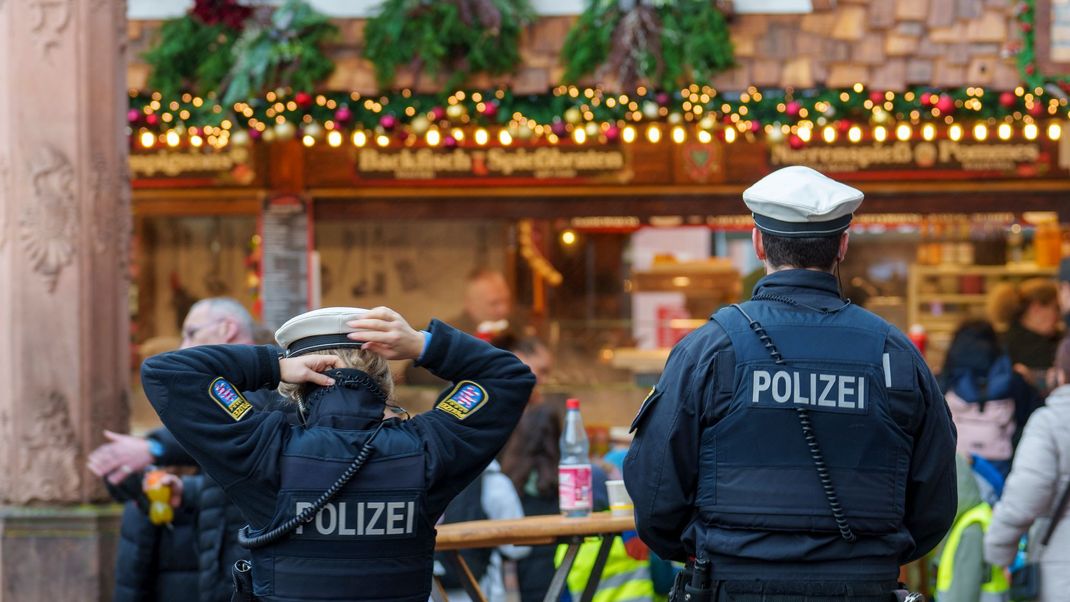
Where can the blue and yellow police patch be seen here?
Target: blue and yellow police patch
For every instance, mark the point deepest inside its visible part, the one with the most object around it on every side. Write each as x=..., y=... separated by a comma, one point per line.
x=464, y=400
x=229, y=398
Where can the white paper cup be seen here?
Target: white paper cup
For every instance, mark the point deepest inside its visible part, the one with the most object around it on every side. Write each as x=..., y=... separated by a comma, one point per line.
x=620, y=504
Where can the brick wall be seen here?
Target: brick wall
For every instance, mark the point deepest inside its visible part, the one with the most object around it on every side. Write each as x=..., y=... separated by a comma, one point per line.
x=884, y=44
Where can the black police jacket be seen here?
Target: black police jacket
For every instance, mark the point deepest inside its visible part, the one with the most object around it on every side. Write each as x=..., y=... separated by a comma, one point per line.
x=380, y=545
x=720, y=468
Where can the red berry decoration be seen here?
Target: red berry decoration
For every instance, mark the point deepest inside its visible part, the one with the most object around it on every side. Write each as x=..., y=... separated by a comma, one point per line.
x=792, y=109
x=1030, y=68
x=559, y=128
x=927, y=98
x=945, y=103
x=303, y=99
x=490, y=109
x=438, y=114
x=612, y=133
x=388, y=122
x=133, y=116
x=1007, y=99
x=152, y=119
x=1036, y=109
x=795, y=142
x=343, y=114
x=449, y=142
x=876, y=97
x=842, y=126
x=662, y=98
x=755, y=126
x=1026, y=27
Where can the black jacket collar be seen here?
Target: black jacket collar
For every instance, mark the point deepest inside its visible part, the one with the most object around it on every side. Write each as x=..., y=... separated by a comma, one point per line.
x=354, y=402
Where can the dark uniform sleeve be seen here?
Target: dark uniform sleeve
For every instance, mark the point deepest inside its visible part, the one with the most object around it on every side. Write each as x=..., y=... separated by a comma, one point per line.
x=661, y=469
x=932, y=488
x=173, y=453
x=238, y=448
x=461, y=440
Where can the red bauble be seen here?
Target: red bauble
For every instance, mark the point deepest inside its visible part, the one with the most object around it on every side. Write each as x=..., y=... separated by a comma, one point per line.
x=795, y=142
x=945, y=103
x=1007, y=99
x=662, y=98
x=843, y=125
x=343, y=114
x=1037, y=108
x=401, y=135
x=303, y=99
x=1030, y=68
x=612, y=133
x=133, y=116
x=755, y=126
x=254, y=133
x=388, y=122
x=152, y=119
x=559, y=128
x=876, y=97
x=490, y=109
x=449, y=142
x=438, y=114
x=927, y=98
x=1026, y=27
x=792, y=109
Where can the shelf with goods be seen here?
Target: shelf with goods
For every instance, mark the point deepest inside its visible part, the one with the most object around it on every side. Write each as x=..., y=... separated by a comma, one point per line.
x=941, y=296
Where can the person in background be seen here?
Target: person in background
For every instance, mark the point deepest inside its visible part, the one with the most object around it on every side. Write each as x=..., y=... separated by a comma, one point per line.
x=213, y=520
x=493, y=497
x=962, y=574
x=1064, y=292
x=987, y=397
x=1040, y=474
x=488, y=305
x=1030, y=312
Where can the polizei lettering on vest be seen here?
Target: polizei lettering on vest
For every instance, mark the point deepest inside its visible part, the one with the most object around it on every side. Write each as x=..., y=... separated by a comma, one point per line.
x=789, y=387
x=361, y=519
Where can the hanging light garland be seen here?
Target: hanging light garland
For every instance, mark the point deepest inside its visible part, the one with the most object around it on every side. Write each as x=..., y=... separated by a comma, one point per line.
x=571, y=115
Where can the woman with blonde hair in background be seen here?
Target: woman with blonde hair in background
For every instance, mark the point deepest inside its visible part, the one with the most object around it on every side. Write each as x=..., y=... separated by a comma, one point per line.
x=1028, y=314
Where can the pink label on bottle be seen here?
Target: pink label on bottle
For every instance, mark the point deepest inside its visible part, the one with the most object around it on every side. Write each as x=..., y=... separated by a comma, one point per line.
x=574, y=487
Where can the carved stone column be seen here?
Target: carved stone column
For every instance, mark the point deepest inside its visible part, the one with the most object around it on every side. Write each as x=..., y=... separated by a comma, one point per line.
x=64, y=340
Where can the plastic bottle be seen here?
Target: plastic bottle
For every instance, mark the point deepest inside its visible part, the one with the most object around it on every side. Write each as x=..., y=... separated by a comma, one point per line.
x=159, y=494
x=574, y=470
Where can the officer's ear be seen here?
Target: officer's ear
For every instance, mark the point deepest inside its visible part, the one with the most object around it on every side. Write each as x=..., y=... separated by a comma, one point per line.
x=759, y=244
x=841, y=254
x=228, y=329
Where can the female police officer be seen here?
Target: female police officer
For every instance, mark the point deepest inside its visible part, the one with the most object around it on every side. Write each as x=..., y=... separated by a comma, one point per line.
x=315, y=534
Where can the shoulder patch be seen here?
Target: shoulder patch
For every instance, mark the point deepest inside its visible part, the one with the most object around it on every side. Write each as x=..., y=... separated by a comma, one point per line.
x=464, y=400
x=228, y=398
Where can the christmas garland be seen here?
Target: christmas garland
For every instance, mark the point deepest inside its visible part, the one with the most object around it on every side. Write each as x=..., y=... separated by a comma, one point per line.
x=658, y=42
x=573, y=114
x=459, y=37
x=225, y=48
x=1027, y=54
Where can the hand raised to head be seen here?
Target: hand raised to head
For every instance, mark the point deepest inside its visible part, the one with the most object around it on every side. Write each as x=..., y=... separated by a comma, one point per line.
x=386, y=333
x=308, y=368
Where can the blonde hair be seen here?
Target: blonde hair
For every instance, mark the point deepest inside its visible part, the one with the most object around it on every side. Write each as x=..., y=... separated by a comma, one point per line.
x=366, y=361
x=1008, y=301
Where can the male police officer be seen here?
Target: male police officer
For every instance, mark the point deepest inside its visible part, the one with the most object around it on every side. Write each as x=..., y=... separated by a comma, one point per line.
x=796, y=446
x=372, y=537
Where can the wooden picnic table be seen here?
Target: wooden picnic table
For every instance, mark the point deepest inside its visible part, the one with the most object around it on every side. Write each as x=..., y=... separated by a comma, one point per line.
x=532, y=530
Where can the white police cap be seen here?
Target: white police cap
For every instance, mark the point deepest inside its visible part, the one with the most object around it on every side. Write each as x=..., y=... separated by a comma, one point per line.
x=799, y=202
x=318, y=329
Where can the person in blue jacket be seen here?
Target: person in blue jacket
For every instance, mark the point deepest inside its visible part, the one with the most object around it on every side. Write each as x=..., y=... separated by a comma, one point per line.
x=343, y=505
x=796, y=447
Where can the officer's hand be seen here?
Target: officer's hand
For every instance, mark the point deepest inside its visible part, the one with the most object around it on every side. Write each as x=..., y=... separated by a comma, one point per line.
x=123, y=455
x=388, y=334
x=307, y=368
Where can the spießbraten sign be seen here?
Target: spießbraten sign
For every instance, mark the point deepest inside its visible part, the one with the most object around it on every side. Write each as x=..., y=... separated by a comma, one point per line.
x=490, y=163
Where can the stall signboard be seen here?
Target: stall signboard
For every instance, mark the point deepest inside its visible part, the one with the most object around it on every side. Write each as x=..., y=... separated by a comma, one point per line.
x=286, y=244
x=944, y=158
x=233, y=165
x=499, y=163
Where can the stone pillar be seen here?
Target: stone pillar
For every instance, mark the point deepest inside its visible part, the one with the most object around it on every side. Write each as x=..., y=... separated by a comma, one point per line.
x=64, y=324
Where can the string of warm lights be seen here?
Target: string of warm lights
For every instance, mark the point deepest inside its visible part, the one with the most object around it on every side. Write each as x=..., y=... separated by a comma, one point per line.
x=569, y=115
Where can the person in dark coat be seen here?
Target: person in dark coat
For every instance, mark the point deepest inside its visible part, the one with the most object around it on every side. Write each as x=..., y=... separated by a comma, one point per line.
x=797, y=446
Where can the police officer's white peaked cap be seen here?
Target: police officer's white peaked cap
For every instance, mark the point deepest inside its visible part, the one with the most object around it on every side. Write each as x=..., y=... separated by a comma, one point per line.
x=318, y=329
x=799, y=202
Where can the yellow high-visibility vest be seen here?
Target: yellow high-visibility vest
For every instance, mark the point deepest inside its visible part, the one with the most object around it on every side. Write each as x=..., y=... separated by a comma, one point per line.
x=624, y=579
x=996, y=588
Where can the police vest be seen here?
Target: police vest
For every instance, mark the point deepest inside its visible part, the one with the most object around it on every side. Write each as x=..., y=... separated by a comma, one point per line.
x=372, y=541
x=755, y=469
x=996, y=588
x=624, y=579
